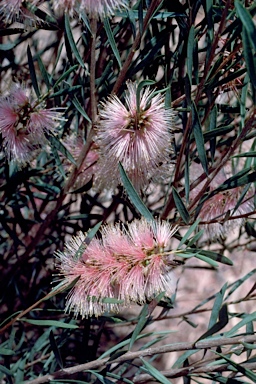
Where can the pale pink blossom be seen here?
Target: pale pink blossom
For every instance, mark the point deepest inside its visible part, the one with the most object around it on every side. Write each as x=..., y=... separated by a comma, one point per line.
x=23, y=124
x=127, y=265
x=69, y=6
x=94, y=8
x=139, y=139
x=218, y=210
x=102, y=8
x=14, y=10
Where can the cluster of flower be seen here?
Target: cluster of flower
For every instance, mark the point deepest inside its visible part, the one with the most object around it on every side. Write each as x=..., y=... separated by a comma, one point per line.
x=218, y=210
x=131, y=265
x=23, y=124
x=25, y=11
x=94, y=8
x=139, y=139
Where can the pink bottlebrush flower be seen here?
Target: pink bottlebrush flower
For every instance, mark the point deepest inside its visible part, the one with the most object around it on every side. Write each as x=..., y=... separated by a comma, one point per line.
x=101, y=8
x=14, y=10
x=221, y=206
x=43, y=120
x=139, y=139
x=69, y=6
x=131, y=265
x=23, y=123
x=94, y=8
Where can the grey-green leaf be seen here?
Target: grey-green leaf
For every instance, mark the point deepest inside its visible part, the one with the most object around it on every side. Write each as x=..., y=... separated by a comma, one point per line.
x=197, y=129
x=180, y=206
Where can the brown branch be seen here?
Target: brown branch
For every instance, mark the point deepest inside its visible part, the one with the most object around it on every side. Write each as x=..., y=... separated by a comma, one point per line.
x=179, y=372
x=185, y=346
x=214, y=170
x=188, y=128
x=23, y=313
x=121, y=78
x=76, y=168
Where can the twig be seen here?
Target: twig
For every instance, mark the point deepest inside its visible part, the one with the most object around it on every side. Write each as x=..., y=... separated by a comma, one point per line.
x=172, y=373
x=92, y=71
x=214, y=170
x=121, y=78
x=100, y=363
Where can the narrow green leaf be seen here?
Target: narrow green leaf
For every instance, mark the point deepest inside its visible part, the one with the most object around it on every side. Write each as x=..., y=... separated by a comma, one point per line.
x=245, y=371
x=206, y=259
x=72, y=43
x=110, y=300
x=56, y=143
x=32, y=72
x=55, y=350
x=144, y=317
x=246, y=320
x=141, y=84
x=112, y=42
x=80, y=109
x=93, y=231
x=212, y=255
x=100, y=378
x=19, y=369
x=120, y=378
x=223, y=321
x=6, y=352
x=209, y=16
x=41, y=14
x=155, y=373
x=180, y=206
x=8, y=46
x=243, y=177
x=250, y=59
x=243, y=100
x=69, y=381
x=179, y=362
x=50, y=323
x=58, y=161
x=190, y=48
x=239, y=282
x=46, y=187
x=66, y=91
x=212, y=127
x=62, y=285
x=197, y=129
x=105, y=75
x=44, y=73
x=246, y=154
x=250, y=230
x=249, y=331
x=249, y=346
x=195, y=238
x=125, y=342
x=247, y=22
x=133, y=194
x=5, y=370
x=191, y=229
x=186, y=177
x=64, y=75
x=217, y=305
x=220, y=131
x=143, y=320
